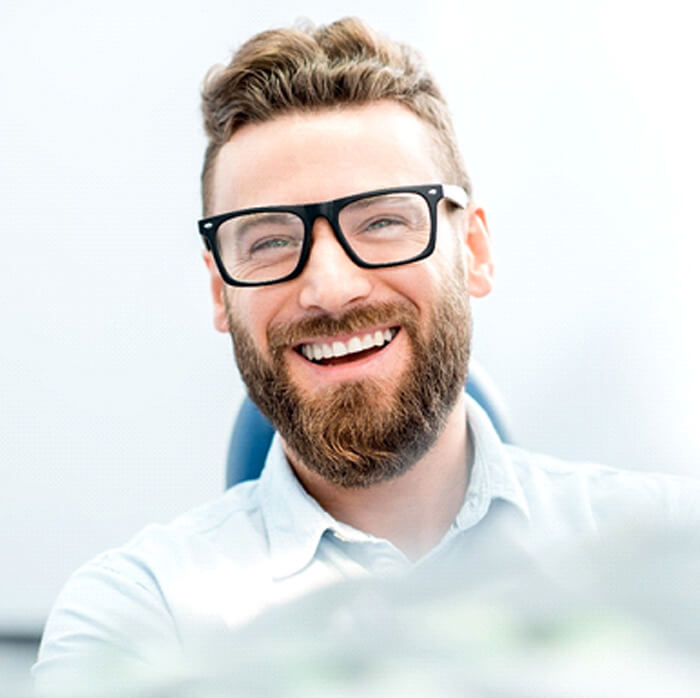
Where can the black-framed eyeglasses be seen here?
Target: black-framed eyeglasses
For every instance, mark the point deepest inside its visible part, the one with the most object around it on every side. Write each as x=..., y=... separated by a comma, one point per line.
x=382, y=228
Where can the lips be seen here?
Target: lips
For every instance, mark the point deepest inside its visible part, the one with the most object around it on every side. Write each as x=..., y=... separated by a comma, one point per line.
x=333, y=351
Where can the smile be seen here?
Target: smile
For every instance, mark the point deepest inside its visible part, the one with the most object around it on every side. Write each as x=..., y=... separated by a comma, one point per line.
x=356, y=347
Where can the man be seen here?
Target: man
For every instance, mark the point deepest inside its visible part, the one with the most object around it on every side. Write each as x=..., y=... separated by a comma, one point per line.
x=342, y=246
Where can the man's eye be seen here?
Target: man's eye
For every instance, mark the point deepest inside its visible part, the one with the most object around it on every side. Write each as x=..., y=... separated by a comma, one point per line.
x=380, y=223
x=272, y=244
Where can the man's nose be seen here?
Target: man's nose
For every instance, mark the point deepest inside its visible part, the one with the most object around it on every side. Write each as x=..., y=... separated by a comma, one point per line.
x=331, y=281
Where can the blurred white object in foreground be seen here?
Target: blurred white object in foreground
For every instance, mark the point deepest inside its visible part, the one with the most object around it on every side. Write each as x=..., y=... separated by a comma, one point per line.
x=613, y=618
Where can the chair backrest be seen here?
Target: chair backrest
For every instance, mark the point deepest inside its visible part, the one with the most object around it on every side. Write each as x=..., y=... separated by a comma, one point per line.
x=252, y=432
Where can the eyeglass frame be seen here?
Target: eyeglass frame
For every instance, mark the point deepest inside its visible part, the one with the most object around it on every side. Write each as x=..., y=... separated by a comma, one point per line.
x=330, y=210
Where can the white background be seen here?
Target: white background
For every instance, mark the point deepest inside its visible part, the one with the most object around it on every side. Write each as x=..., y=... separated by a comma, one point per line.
x=579, y=122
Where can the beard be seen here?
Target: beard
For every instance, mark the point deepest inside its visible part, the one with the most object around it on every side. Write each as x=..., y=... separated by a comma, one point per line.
x=357, y=434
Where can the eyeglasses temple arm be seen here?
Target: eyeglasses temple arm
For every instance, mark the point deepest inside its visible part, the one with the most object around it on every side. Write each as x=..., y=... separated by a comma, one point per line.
x=456, y=195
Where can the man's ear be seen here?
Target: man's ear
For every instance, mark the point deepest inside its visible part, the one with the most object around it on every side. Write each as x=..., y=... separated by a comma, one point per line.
x=218, y=288
x=479, y=259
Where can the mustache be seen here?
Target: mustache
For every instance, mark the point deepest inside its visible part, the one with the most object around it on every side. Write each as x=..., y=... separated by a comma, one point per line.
x=291, y=333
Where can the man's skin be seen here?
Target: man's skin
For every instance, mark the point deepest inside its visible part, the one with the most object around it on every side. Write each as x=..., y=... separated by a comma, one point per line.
x=299, y=158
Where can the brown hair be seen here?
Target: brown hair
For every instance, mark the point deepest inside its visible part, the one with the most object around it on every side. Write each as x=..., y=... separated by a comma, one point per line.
x=309, y=68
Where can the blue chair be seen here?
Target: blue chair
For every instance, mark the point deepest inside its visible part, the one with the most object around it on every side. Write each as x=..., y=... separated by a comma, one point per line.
x=252, y=432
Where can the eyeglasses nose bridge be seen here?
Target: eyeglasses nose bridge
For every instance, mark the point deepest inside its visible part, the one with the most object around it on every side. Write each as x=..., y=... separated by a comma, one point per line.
x=329, y=212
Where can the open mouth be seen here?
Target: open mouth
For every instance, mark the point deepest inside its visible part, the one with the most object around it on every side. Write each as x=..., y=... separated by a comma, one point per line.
x=354, y=349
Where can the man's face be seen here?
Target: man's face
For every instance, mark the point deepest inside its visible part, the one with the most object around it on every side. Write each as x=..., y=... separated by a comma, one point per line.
x=366, y=416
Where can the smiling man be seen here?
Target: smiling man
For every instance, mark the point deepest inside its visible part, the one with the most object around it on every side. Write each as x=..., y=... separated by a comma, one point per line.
x=343, y=248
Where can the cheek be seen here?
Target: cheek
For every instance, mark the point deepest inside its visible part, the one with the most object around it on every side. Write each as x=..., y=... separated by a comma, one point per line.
x=257, y=309
x=450, y=243
x=450, y=256
x=417, y=283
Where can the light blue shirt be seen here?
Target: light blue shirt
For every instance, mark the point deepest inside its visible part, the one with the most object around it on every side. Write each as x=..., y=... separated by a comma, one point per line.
x=266, y=542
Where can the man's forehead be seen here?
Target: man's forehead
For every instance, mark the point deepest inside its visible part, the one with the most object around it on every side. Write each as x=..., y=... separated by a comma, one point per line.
x=300, y=157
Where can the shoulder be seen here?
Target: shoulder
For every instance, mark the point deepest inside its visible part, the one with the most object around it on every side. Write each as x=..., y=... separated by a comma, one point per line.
x=134, y=600
x=230, y=527
x=603, y=494
x=206, y=530
x=238, y=508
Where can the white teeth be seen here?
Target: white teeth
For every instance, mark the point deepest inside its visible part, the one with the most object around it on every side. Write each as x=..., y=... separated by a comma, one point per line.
x=339, y=349
x=323, y=350
x=354, y=345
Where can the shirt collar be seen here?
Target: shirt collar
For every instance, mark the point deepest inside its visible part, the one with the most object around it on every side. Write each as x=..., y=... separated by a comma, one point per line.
x=295, y=522
x=492, y=475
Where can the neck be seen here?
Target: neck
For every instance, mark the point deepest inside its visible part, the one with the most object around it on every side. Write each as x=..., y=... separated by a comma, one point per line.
x=414, y=510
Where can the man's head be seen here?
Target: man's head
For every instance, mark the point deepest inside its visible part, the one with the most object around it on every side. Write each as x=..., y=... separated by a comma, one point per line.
x=369, y=415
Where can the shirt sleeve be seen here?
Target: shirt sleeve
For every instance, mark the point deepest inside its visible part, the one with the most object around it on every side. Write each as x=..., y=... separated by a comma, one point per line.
x=110, y=620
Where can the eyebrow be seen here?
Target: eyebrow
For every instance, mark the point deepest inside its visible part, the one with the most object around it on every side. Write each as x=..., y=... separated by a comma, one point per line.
x=386, y=198
x=275, y=217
